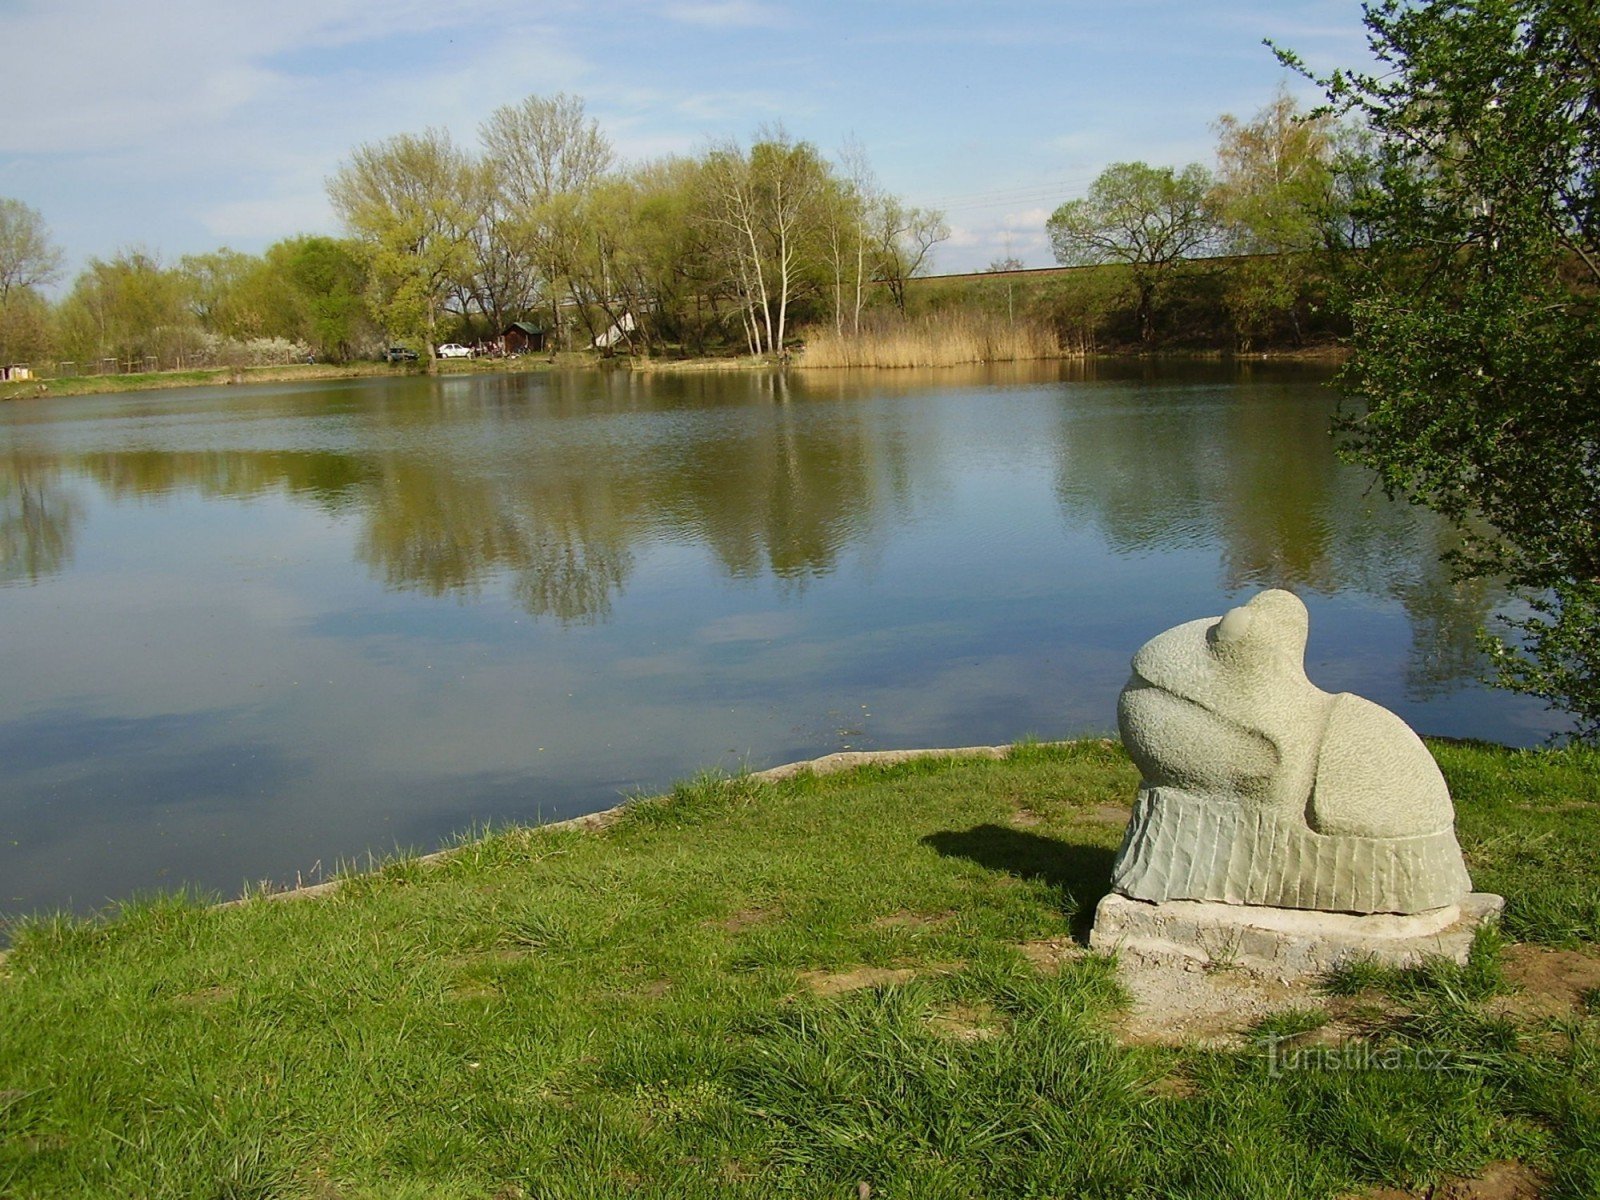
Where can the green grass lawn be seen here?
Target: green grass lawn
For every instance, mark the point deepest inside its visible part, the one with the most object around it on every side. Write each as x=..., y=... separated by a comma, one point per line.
x=659, y=1010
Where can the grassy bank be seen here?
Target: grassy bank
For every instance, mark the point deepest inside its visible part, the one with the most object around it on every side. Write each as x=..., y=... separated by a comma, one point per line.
x=766, y=989
x=88, y=385
x=93, y=385
x=941, y=339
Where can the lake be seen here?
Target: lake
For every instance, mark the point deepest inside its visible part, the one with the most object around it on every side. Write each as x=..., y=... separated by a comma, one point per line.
x=251, y=633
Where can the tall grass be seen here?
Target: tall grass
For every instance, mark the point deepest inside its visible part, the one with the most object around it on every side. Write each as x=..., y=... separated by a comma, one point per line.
x=941, y=339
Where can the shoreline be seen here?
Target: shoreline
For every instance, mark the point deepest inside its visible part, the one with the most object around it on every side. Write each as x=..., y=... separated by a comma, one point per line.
x=827, y=764
x=95, y=385
x=155, y=381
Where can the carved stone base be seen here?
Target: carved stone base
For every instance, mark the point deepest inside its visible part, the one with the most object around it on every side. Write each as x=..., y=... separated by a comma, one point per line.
x=1184, y=847
x=1285, y=942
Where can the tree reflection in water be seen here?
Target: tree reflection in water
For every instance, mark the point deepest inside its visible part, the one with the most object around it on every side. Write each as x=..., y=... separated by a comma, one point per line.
x=534, y=481
x=39, y=519
x=227, y=661
x=1158, y=468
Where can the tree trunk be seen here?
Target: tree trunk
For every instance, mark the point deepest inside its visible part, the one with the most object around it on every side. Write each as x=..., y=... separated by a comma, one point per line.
x=861, y=272
x=433, y=327
x=1146, y=311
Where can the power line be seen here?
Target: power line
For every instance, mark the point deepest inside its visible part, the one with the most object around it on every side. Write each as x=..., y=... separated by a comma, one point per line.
x=1021, y=194
x=985, y=193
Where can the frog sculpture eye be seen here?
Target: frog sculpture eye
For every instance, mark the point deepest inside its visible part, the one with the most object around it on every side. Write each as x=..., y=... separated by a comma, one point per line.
x=1260, y=788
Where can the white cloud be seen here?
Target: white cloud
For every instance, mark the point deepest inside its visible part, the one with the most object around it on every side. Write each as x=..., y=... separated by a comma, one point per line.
x=974, y=245
x=224, y=120
x=1027, y=220
x=139, y=73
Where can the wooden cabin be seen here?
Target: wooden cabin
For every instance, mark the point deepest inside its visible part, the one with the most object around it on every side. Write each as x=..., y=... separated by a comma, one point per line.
x=520, y=337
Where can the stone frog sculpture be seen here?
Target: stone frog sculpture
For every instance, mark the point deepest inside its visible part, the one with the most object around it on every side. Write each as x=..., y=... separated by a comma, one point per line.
x=1260, y=788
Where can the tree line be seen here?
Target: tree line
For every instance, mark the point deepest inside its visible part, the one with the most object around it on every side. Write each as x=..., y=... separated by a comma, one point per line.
x=1249, y=253
x=734, y=249
x=727, y=250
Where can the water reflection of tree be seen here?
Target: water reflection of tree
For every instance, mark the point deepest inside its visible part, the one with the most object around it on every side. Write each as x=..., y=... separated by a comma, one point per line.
x=782, y=492
x=561, y=531
x=764, y=486
x=1249, y=472
x=1446, y=615
x=39, y=520
x=541, y=485
x=329, y=479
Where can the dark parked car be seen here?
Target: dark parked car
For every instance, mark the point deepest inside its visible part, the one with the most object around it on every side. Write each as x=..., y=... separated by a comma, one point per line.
x=399, y=354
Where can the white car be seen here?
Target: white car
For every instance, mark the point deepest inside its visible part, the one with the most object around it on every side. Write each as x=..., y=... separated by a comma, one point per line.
x=454, y=350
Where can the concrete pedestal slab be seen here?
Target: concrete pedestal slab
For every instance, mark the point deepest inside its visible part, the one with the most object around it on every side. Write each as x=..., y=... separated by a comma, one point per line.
x=1285, y=942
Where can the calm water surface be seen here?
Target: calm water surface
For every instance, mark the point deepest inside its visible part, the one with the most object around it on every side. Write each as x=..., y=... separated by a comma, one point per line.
x=247, y=633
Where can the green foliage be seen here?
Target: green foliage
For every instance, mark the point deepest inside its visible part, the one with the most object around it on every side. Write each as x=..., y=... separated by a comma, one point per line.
x=412, y=201
x=1274, y=177
x=1273, y=194
x=675, y=256
x=26, y=327
x=327, y=284
x=28, y=261
x=129, y=308
x=28, y=258
x=1148, y=218
x=232, y=294
x=1081, y=303
x=1476, y=372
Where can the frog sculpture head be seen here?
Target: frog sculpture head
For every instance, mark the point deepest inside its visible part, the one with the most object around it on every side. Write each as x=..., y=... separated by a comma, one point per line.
x=1260, y=788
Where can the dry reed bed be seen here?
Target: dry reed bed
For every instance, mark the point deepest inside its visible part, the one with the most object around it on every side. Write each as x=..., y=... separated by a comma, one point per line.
x=935, y=340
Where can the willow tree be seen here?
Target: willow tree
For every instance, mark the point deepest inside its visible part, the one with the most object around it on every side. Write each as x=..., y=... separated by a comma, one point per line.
x=411, y=202
x=327, y=279
x=235, y=295
x=28, y=261
x=545, y=158
x=1150, y=219
x=130, y=308
x=676, y=253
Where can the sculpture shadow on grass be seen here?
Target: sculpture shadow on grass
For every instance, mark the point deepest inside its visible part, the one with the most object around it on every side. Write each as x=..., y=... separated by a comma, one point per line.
x=1081, y=873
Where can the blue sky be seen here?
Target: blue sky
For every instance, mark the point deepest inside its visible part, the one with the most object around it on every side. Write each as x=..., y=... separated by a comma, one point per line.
x=182, y=125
